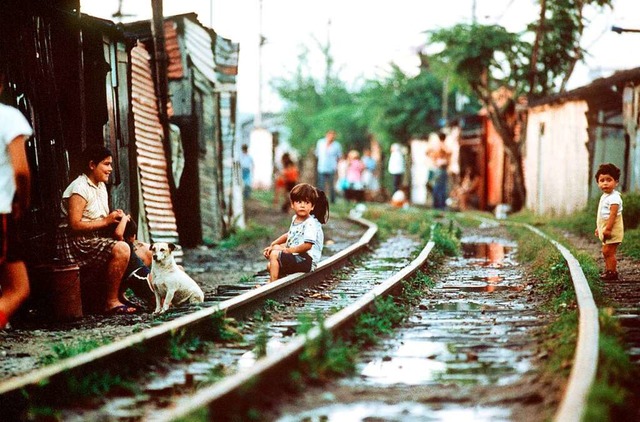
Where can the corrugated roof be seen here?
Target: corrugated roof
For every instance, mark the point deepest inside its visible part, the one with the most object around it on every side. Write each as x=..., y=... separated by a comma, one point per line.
x=152, y=163
x=603, y=90
x=199, y=47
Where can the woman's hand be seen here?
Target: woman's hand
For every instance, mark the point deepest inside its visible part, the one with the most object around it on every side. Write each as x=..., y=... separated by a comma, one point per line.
x=114, y=217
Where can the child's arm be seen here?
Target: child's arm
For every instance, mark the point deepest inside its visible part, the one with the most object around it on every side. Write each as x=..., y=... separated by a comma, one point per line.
x=118, y=233
x=305, y=247
x=275, y=245
x=610, y=221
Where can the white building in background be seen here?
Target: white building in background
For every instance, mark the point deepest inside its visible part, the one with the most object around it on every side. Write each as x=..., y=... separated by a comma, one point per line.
x=261, y=150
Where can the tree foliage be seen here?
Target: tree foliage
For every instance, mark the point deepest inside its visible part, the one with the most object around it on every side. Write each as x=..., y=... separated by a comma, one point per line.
x=313, y=106
x=488, y=57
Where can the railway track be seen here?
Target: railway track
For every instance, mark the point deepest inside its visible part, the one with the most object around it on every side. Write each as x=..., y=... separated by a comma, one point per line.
x=39, y=390
x=235, y=373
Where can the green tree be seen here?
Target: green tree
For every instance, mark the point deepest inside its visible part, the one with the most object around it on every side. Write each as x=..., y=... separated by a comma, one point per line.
x=488, y=57
x=313, y=106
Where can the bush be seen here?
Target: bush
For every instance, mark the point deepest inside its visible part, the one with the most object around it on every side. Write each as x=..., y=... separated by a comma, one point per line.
x=631, y=210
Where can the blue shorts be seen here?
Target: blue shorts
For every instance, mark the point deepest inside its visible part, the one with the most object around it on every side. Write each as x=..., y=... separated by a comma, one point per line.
x=294, y=263
x=11, y=246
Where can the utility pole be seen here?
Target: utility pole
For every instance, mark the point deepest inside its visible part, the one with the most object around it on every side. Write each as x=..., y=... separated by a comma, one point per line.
x=473, y=11
x=257, y=122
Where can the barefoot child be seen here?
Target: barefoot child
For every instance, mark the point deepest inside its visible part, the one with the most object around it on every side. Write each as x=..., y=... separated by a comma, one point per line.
x=609, y=228
x=299, y=249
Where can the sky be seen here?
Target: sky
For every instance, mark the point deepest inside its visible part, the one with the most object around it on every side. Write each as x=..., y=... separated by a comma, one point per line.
x=366, y=35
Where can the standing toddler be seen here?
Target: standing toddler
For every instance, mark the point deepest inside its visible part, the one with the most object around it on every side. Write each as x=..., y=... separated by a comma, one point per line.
x=609, y=225
x=299, y=249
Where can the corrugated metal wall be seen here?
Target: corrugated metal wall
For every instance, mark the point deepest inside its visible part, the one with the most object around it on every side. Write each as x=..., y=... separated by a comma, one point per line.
x=226, y=62
x=152, y=165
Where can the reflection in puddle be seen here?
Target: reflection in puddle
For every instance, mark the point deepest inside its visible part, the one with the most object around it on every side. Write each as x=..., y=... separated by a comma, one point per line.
x=412, y=364
x=489, y=288
x=405, y=412
x=462, y=337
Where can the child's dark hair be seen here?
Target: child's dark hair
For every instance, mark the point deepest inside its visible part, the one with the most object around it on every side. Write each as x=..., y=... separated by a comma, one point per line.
x=608, y=169
x=130, y=229
x=317, y=197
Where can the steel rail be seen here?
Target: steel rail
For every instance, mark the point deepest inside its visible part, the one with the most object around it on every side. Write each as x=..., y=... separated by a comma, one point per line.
x=585, y=361
x=232, y=394
x=15, y=392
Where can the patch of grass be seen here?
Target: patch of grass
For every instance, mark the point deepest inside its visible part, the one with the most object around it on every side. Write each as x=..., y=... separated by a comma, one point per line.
x=247, y=278
x=326, y=356
x=224, y=329
x=262, y=339
x=271, y=305
x=610, y=397
x=447, y=238
x=413, y=220
x=182, y=346
x=252, y=233
x=64, y=350
x=97, y=384
x=386, y=315
x=630, y=246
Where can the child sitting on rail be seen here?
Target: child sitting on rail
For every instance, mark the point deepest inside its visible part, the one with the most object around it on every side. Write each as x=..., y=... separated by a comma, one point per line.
x=609, y=225
x=299, y=249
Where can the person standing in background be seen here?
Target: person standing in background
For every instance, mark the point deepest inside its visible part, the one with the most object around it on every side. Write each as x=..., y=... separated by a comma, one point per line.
x=328, y=152
x=246, y=164
x=440, y=155
x=453, y=145
x=396, y=166
x=15, y=196
x=368, y=175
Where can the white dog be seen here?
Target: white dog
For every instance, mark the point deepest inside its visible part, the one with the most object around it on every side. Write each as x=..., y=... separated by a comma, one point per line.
x=171, y=285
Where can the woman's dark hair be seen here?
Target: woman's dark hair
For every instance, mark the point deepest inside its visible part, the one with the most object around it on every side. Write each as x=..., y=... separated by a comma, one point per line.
x=317, y=197
x=609, y=169
x=95, y=154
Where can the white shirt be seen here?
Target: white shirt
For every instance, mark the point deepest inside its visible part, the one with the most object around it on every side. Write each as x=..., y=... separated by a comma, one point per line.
x=606, y=200
x=96, y=196
x=309, y=231
x=396, y=162
x=12, y=125
x=328, y=155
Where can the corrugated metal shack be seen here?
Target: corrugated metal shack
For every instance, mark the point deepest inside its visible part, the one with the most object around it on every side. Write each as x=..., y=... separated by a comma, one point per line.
x=81, y=81
x=569, y=135
x=69, y=75
x=201, y=70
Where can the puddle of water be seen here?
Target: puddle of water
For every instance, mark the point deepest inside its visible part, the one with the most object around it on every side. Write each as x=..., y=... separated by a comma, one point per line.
x=405, y=412
x=489, y=288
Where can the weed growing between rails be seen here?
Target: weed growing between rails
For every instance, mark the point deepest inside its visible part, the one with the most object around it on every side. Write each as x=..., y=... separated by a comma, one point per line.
x=64, y=350
x=610, y=397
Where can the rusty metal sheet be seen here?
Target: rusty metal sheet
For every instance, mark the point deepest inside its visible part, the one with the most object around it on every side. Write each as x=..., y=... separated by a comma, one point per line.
x=226, y=54
x=156, y=195
x=175, y=69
